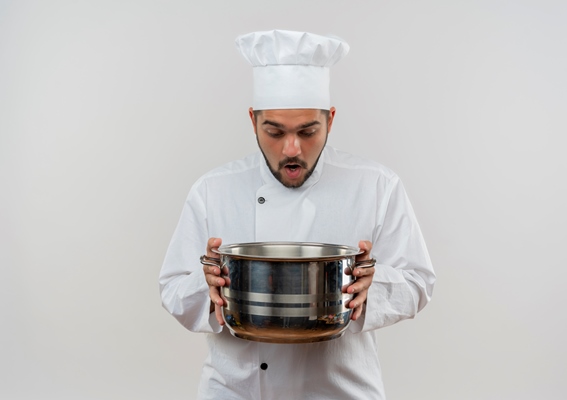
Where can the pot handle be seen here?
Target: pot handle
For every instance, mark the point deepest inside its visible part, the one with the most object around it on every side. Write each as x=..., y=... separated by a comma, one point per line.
x=212, y=261
x=365, y=263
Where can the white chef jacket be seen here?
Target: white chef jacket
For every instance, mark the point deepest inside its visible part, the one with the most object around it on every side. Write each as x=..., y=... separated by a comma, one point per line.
x=347, y=199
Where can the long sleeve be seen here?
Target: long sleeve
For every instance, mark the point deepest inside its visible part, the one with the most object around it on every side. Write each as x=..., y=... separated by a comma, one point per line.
x=404, y=278
x=184, y=290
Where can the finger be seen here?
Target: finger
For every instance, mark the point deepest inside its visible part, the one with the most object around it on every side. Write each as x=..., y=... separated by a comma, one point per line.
x=215, y=296
x=218, y=315
x=213, y=243
x=360, y=284
x=365, y=246
x=356, y=313
x=366, y=271
x=211, y=270
x=356, y=304
x=214, y=281
x=358, y=299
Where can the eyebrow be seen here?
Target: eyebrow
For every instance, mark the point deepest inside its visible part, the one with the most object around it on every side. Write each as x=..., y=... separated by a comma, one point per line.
x=281, y=126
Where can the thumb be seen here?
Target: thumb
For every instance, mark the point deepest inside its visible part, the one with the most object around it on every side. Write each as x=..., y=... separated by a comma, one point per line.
x=213, y=243
x=365, y=246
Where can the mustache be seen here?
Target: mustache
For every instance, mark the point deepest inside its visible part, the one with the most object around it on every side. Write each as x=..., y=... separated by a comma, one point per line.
x=292, y=160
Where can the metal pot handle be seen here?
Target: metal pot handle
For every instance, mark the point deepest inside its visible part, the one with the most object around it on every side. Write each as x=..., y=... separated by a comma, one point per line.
x=365, y=263
x=212, y=261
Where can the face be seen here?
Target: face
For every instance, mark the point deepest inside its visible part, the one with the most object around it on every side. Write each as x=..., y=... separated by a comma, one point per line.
x=292, y=141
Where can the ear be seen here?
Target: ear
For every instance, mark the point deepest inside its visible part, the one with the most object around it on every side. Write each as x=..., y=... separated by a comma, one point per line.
x=253, y=119
x=332, y=112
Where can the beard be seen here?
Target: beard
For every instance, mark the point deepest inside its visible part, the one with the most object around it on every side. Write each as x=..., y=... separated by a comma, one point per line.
x=291, y=160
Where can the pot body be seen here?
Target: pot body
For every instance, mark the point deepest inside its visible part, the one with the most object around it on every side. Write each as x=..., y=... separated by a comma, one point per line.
x=287, y=292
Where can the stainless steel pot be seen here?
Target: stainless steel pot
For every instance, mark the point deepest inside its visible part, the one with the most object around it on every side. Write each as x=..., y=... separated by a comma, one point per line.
x=286, y=292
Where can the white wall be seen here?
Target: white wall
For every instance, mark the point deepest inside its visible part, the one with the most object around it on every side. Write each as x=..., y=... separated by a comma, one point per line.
x=109, y=110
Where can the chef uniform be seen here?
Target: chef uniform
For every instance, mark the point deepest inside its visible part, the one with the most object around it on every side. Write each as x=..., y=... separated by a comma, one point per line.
x=345, y=200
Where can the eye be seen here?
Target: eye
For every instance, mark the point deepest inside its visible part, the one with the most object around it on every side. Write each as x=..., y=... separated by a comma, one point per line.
x=274, y=133
x=308, y=132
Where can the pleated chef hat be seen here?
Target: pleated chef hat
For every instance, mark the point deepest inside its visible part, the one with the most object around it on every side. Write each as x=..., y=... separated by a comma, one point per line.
x=291, y=69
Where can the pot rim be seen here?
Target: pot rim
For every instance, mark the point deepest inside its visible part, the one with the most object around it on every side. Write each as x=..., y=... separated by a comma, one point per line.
x=238, y=251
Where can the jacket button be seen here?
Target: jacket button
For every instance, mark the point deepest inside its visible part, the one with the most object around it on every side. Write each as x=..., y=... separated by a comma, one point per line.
x=261, y=200
x=264, y=366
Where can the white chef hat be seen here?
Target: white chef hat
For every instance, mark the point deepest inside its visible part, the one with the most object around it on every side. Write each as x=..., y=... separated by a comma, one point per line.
x=291, y=69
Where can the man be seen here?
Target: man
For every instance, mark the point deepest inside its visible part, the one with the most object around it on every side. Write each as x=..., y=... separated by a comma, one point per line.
x=297, y=189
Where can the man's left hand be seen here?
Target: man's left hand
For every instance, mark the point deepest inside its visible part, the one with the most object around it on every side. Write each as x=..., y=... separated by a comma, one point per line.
x=363, y=281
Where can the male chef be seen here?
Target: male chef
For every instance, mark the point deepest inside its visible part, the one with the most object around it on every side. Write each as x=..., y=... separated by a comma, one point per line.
x=297, y=188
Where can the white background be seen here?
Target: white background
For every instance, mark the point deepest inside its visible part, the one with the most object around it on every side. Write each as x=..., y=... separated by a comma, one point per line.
x=110, y=110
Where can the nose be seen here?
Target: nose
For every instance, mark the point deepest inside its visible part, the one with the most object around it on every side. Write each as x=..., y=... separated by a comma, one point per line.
x=292, y=147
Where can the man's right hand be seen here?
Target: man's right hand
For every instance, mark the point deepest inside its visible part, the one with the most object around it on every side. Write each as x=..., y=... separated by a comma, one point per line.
x=214, y=280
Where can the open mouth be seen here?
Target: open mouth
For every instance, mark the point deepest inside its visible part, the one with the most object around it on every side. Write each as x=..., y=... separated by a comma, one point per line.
x=292, y=170
x=292, y=167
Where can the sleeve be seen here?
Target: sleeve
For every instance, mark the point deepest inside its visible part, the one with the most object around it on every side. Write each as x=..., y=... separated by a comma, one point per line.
x=404, y=278
x=183, y=288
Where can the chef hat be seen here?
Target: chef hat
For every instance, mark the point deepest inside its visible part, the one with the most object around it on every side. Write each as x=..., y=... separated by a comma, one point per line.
x=291, y=69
